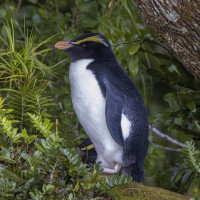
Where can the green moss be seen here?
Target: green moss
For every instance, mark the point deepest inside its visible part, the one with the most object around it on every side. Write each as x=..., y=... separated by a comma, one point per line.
x=136, y=191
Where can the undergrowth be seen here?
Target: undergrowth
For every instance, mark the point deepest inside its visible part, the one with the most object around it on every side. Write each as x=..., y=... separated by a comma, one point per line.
x=34, y=161
x=39, y=167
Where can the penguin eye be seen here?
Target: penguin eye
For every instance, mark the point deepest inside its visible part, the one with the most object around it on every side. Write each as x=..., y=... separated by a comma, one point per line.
x=83, y=45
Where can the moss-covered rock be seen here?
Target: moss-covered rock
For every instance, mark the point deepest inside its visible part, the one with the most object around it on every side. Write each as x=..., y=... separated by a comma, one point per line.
x=136, y=191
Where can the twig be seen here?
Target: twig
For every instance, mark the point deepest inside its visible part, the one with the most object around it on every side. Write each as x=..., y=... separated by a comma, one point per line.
x=109, y=8
x=162, y=135
x=57, y=127
x=126, y=42
x=142, y=41
x=19, y=28
x=18, y=7
x=76, y=129
x=19, y=41
x=163, y=147
x=154, y=42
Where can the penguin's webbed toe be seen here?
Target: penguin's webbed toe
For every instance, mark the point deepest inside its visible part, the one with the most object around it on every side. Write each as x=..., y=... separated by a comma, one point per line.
x=116, y=169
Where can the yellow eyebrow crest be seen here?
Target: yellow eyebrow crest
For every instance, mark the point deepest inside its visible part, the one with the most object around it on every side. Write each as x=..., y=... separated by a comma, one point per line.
x=91, y=39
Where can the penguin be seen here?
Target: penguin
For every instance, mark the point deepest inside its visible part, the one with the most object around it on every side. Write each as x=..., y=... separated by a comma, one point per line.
x=108, y=105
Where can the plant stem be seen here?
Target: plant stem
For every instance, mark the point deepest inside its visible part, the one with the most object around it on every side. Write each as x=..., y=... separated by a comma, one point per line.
x=22, y=111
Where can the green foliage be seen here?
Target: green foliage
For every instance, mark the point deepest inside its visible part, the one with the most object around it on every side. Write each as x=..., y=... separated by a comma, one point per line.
x=35, y=163
x=193, y=156
x=47, y=169
x=43, y=127
x=195, y=192
x=10, y=131
x=20, y=70
x=170, y=92
x=28, y=139
x=193, y=162
x=24, y=76
x=6, y=187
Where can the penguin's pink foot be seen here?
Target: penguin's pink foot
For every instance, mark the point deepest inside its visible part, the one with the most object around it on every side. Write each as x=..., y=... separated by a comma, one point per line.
x=112, y=171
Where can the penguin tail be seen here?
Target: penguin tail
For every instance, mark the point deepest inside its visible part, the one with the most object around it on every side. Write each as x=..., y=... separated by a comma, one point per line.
x=134, y=152
x=132, y=164
x=134, y=170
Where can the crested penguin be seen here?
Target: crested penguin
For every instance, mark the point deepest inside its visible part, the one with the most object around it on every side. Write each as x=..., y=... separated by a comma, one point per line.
x=108, y=105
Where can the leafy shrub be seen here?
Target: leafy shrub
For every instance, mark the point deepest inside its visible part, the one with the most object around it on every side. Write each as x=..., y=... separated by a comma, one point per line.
x=46, y=169
x=35, y=163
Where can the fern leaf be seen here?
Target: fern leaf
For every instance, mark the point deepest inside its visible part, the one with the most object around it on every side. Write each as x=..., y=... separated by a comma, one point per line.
x=7, y=172
x=42, y=127
x=193, y=157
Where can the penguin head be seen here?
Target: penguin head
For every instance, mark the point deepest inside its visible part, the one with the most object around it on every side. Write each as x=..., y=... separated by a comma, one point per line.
x=90, y=45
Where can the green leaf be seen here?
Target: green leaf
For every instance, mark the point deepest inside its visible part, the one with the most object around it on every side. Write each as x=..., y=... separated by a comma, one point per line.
x=134, y=48
x=173, y=68
x=40, y=147
x=42, y=126
x=133, y=64
x=33, y=1
x=161, y=56
x=24, y=133
x=30, y=139
x=192, y=106
x=5, y=152
x=2, y=13
x=173, y=101
x=8, y=173
x=48, y=189
x=7, y=160
x=7, y=188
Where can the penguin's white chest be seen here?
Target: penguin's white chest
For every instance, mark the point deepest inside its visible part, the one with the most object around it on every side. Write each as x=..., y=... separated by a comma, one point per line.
x=89, y=105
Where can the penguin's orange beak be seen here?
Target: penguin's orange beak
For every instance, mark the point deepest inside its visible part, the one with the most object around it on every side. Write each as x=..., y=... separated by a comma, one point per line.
x=63, y=45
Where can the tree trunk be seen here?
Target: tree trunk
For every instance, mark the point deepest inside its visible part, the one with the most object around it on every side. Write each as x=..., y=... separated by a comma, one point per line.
x=177, y=22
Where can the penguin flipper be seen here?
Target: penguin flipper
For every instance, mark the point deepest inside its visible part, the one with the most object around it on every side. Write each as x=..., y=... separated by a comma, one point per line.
x=114, y=107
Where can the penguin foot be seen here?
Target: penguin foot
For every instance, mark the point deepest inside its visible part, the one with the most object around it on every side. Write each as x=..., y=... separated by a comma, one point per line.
x=116, y=169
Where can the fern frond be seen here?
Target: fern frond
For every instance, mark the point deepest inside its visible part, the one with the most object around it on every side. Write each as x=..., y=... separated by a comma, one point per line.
x=116, y=179
x=44, y=127
x=193, y=157
x=4, y=112
x=24, y=76
x=7, y=172
x=75, y=162
x=31, y=102
x=51, y=141
x=9, y=130
x=27, y=139
x=37, y=103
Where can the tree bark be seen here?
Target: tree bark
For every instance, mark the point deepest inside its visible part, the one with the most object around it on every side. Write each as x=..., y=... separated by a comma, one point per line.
x=177, y=22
